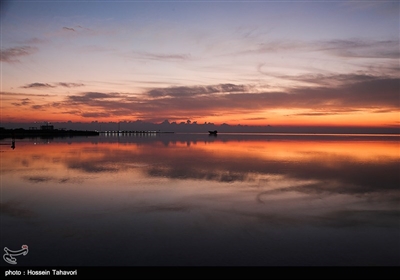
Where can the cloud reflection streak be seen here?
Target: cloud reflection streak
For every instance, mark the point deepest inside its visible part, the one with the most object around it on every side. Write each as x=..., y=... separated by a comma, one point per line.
x=232, y=194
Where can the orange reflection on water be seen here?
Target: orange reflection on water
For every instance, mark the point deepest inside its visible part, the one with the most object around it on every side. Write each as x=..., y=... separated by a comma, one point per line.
x=29, y=155
x=125, y=166
x=253, y=192
x=302, y=149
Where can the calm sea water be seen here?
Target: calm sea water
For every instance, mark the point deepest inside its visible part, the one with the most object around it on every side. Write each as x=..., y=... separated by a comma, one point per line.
x=200, y=200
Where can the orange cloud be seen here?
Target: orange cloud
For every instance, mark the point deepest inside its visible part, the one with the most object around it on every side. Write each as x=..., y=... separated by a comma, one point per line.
x=360, y=100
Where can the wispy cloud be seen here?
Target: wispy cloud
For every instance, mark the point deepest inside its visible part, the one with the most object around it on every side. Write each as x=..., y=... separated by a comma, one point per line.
x=383, y=111
x=361, y=48
x=274, y=47
x=23, y=102
x=159, y=56
x=331, y=79
x=78, y=30
x=358, y=93
x=38, y=85
x=68, y=29
x=92, y=96
x=20, y=94
x=331, y=94
x=95, y=114
x=39, y=107
x=47, y=85
x=38, y=179
x=196, y=90
x=11, y=55
x=70, y=85
x=326, y=112
x=355, y=47
x=35, y=41
x=385, y=8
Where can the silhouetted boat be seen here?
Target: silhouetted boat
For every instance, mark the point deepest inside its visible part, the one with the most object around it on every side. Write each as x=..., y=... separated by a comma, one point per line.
x=213, y=132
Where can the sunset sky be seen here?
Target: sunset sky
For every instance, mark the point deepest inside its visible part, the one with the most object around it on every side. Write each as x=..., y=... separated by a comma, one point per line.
x=322, y=63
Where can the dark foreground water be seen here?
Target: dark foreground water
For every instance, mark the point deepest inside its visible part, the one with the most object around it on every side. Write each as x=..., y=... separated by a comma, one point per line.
x=200, y=200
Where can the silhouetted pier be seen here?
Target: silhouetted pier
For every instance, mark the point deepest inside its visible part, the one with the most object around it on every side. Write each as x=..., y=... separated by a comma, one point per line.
x=133, y=132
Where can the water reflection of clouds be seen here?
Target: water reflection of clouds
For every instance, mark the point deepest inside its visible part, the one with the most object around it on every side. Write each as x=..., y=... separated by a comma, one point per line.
x=38, y=179
x=16, y=209
x=265, y=170
x=252, y=200
x=162, y=207
x=43, y=179
x=337, y=218
x=339, y=171
x=339, y=175
x=91, y=167
x=175, y=172
x=358, y=218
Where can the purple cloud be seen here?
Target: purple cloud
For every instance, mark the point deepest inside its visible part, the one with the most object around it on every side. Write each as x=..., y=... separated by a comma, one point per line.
x=38, y=85
x=70, y=85
x=196, y=90
x=68, y=29
x=46, y=85
x=12, y=54
x=355, y=93
x=161, y=56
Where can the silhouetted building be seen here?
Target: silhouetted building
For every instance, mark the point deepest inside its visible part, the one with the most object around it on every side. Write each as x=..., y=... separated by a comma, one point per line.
x=47, y=127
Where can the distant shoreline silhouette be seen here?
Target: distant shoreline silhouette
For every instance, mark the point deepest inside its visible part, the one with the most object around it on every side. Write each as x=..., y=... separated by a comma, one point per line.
x=43, y=133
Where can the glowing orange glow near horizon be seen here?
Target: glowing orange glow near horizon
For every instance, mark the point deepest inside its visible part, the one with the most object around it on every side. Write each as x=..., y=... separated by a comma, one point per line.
x=290, y=117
